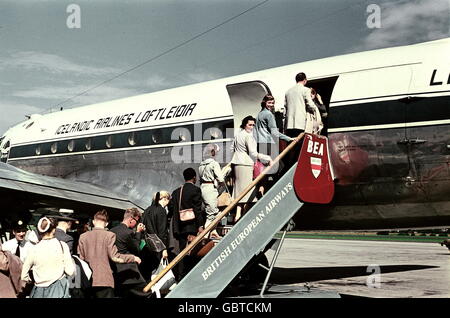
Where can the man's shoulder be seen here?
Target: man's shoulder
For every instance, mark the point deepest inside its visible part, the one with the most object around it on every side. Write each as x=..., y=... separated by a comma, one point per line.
x=61, y=234
x=116, y=229
x=8, y=244
x=292, y=89
x=96, y=232
x=177, y=190
x=192, y=187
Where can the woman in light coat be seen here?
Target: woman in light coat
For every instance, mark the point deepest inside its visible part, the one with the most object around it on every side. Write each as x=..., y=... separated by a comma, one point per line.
x=244, y=156
x=51, y=263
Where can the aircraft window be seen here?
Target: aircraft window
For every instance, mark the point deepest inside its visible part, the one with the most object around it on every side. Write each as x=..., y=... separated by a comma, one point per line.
x=29, y=125
x=88, y=144
x=156, y=136
x=54, y=147
x=213, y=133
x=109, y=141
x=180, y=134
x=71, y=145
x=132, y=139
x=38, y=150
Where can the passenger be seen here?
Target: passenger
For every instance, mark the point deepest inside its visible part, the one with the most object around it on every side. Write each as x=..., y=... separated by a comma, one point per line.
x=51, y=263
x=317, y=99
x=244, y=155
x=64, y=224
x=314, y=123
x=18, y=246
x=298, y=102
x=267, y=134
x=210, y=179
x=156, y=222
x=11, y=284
x=130, y=281
x=188, y=196
x=97, y=248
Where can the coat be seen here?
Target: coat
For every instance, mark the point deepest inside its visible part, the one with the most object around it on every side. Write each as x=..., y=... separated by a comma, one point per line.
x=244, y=149
x=266, y=128
x=64, y=237
x=127, y=242
x=97, y=247
x=10, y=271
x=155, y=221
x=191, y=198
x=297, y=100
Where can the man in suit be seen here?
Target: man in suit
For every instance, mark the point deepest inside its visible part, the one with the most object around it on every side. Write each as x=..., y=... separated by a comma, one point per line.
x=184, y=231
x=298, y=102
x=130, y=282
x=64, y=224
x=97, y=247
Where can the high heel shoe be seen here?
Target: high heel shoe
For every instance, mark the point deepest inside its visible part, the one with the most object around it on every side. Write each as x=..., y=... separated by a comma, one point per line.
x=215, y=236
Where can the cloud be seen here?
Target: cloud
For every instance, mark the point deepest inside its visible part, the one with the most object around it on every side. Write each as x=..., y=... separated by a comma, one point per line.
x=58, y=94
x=15, y=113
x=51, y=63
x=409, y=22
x=158, y=82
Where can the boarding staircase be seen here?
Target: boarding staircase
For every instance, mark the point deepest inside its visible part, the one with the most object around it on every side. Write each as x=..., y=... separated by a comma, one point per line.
x=248, y=238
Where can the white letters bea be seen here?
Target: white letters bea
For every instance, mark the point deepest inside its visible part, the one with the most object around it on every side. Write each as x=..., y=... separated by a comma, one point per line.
x=315, y=147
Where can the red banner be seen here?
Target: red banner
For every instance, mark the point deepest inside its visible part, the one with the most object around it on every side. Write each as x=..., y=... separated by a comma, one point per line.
x=313, y=179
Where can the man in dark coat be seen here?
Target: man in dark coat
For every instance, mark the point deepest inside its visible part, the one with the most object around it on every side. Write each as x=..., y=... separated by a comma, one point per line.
x=191, y=197
x=64, y=224
x=130, y=282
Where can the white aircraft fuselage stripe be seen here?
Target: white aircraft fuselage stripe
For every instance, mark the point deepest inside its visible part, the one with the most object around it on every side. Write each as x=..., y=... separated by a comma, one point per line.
x=391, y=126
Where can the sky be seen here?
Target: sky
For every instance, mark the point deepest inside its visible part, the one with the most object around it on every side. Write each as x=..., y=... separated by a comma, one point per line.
x=53, y=50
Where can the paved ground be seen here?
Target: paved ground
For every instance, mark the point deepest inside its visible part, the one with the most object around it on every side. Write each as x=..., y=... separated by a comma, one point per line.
x=351, y=267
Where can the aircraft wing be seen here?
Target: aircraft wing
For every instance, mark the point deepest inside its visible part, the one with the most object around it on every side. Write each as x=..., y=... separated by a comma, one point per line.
x=24, y=190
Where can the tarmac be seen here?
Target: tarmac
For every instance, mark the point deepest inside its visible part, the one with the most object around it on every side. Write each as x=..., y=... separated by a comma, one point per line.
x=364, y=268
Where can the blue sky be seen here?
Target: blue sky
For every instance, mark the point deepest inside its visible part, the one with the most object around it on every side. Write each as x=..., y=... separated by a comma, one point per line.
x=43, y=62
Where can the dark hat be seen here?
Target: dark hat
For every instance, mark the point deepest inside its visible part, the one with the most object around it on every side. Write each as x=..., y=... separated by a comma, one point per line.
x=19, y=225
x=61, y=217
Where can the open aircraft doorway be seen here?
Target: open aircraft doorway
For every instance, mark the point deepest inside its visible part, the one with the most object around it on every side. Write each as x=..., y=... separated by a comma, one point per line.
x=246, y=99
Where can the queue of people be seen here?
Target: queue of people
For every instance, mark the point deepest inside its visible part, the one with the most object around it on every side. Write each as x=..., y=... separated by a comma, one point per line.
x=116, y=262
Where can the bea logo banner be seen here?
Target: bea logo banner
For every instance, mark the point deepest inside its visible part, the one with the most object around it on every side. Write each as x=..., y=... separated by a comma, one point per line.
x=313, y=178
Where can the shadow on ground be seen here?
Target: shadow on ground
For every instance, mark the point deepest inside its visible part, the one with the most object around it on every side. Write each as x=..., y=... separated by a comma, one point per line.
x=311, y=274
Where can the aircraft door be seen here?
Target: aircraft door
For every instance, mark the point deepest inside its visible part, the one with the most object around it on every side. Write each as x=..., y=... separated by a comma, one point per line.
x=246, y=99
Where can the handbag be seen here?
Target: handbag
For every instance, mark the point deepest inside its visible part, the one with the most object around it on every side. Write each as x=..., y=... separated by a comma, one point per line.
x=154, y=243
x=202, y=248
x=258, y=168
x=186, y=214
x=224, y=199
x=164, y=285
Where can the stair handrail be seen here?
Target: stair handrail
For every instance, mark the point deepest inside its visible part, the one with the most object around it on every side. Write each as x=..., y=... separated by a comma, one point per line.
x=219, y=217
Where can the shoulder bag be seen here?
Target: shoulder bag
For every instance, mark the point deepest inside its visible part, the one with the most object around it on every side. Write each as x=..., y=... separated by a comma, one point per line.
x=224, y=199
x=154, y=243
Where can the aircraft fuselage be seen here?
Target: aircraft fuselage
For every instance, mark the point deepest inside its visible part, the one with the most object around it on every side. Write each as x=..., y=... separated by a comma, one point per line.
x=388, y=127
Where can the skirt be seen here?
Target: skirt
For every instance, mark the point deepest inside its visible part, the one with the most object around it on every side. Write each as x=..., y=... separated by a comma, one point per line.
x=243, y=176
x=58, y=289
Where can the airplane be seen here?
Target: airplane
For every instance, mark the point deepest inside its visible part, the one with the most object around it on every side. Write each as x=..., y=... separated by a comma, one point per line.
x=388, y=130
